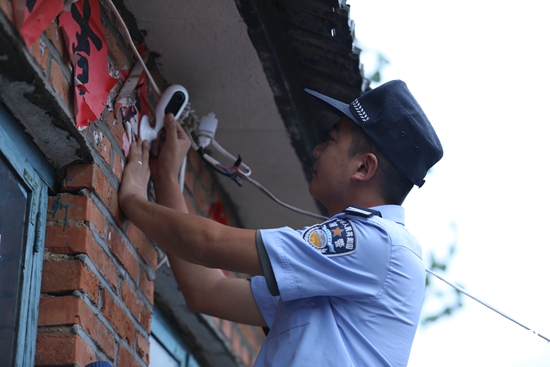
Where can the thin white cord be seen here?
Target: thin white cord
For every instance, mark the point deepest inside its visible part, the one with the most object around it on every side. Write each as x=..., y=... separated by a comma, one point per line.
x=245, y=175
x=246, y=171
x=485, y=304
x=134, y=49
x=298, y=210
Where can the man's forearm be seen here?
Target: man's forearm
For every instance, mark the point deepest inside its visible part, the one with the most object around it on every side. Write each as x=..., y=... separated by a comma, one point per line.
x=195, y=239
x=194, y=244
x=207, y=290
x=194, y=280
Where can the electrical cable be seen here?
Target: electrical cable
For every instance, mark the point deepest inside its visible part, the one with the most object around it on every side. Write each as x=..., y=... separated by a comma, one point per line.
x=134, y=49
x=234, y=172
x=246, y=172
x=268, y=193
x=485, y=304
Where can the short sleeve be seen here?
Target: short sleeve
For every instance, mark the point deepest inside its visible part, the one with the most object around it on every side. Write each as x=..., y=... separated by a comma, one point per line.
x=328, y=260
x=265, y=301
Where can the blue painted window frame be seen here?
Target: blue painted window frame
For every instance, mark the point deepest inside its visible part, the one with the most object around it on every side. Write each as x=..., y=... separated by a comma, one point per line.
x=37, y=175
x=165, y=333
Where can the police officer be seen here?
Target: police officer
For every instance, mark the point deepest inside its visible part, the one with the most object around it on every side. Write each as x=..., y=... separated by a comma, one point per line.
x=345, y=292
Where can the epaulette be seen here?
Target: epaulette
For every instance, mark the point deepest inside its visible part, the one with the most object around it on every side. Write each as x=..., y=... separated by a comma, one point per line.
x=362, y=212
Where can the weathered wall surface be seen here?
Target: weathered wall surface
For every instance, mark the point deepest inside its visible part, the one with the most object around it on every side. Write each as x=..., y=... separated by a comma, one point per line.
x=98, y=290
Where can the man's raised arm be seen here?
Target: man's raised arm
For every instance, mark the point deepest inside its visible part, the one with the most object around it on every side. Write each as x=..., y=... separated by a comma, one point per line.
x=195, y=245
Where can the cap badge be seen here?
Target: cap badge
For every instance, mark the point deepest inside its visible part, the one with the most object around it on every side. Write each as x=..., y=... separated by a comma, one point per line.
x=360, y=111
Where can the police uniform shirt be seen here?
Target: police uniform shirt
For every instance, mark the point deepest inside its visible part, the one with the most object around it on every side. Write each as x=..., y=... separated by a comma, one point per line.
x=346, y=292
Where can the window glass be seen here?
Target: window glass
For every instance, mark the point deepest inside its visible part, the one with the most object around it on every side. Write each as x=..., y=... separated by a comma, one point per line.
x=13, y=211
x=159, y=356
x=167, y=347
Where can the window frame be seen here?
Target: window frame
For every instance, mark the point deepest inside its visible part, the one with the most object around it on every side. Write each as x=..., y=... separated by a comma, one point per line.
x=37, y=175
x=164, y=332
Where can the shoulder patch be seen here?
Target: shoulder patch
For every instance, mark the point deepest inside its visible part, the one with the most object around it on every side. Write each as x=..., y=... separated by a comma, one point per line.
x=334, y=237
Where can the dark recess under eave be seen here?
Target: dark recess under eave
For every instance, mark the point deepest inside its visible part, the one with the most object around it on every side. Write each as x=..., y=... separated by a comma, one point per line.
x=298, y=50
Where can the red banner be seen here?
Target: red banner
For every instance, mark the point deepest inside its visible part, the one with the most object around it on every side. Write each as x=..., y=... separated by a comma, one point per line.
x=38, y=16
x=88, y=51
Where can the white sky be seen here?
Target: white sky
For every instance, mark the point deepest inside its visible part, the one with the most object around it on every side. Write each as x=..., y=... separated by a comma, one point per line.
x=481, y=71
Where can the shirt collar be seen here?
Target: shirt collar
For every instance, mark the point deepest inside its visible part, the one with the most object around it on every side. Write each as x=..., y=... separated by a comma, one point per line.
x=395, y=213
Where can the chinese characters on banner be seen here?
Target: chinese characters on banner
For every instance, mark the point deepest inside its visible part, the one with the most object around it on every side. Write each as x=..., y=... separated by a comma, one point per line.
x=38, y=16
x=88, y=51
x=81, y=24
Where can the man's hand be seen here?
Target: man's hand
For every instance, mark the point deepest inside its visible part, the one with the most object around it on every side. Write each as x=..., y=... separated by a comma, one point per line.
x=168, y=152
x=136, y=175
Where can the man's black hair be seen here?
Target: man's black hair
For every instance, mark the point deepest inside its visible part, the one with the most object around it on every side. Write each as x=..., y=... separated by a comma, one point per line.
x=394, y=185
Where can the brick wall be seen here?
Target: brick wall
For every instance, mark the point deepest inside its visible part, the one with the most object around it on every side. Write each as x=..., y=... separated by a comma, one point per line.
x=97, y=292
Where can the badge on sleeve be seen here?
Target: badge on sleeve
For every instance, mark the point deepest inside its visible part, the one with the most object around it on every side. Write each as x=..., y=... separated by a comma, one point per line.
x=334, y=237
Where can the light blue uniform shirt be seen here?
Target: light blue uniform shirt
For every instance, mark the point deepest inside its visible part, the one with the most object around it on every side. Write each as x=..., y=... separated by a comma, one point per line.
x=351, y=291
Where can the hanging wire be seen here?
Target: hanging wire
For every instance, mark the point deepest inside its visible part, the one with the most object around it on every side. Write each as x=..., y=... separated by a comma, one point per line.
x=234, y=172
x=134, y=49
x=485, y=304
x=268, y=193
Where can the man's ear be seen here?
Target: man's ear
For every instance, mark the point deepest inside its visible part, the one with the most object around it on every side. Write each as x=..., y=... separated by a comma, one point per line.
x=367, y=165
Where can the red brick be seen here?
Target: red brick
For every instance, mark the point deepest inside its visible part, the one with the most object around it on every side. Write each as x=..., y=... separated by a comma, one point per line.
x=143, y=245
x=122, y=253
x=189, y=179
x=90, y=176
x=146, y=316
x=109, y=117
x=68, y=240
x=215, y=320
x=108, y=194
x=236, y=343
x=40, y=53
x=147, y=287
x=130, y=298
x=206, y=178
x=195, y=189
x=80, y=240
x=70, y=310
x=5, y=6
x=80, y=176
x=252, y=334
x=118, y=318
x=58, y=81
x=245, y=357
x=68, y=276
x=116, y=126
x=120, y=217
x=116, y=54
x=201, y=197
x=126, y=359
x=136, y=305
x=118, y=166
x=75, y=210
x=18, y=7
x=61, y=349
x=227, y=328
x=52, y=32
x=103, y=146
x=195, y=160
x=142, y=347
x=190, y=206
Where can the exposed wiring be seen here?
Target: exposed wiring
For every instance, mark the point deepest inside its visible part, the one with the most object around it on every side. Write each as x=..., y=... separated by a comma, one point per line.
x=265, y=191
x=235, y=172
x=485, y=304
x=245, y=170
x=134, y=49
